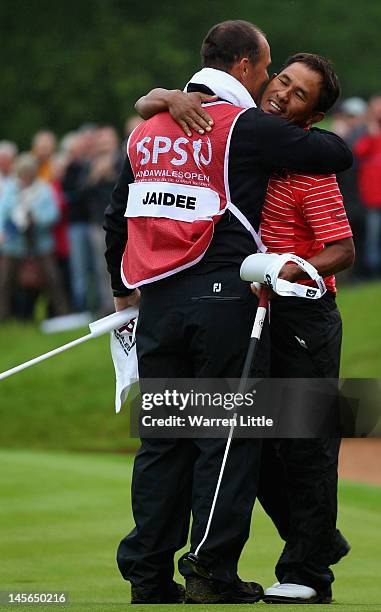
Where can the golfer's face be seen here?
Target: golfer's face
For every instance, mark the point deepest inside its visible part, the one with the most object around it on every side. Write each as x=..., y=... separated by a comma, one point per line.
x=293, y=94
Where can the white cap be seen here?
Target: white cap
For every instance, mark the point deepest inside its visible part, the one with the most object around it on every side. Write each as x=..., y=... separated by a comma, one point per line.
x=354, y=106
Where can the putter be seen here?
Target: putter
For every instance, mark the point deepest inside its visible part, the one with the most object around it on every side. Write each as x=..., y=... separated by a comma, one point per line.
x=192, y=559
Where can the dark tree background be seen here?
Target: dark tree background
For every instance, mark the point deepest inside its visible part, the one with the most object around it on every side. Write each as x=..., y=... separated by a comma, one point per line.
x=68, y=62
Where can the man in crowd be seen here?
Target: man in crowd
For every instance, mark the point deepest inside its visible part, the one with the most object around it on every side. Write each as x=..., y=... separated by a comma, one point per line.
x=367, y=152
x=80, y=152
x=44, y=144
x=8, y=153
x=175, y=261
x=100, y=181
x=130, y=124
x=349, y=122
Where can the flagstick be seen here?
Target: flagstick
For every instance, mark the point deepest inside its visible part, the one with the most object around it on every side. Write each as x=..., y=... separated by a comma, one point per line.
x=97, y=328
x=55, y=351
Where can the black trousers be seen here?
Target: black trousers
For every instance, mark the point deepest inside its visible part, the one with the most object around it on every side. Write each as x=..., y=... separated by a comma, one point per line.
x=298, y=483
x=192, y=326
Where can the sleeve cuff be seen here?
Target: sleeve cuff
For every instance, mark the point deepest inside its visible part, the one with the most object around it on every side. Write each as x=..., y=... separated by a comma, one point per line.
x=122, y=292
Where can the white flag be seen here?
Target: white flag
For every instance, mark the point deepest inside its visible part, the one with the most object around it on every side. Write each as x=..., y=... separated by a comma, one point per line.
x=123, y=352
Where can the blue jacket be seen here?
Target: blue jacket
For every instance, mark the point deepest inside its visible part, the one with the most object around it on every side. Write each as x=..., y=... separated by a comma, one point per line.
x=43, y=212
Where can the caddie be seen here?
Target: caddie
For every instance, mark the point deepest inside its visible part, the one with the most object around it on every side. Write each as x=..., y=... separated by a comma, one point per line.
x=193, y=207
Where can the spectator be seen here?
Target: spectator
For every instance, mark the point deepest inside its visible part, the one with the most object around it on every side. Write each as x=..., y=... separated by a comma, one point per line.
x=66, y=144
x=368, y=154
x=43, y=147
x=74, y=184
x=102, y=177
x=88, y=133
x=27, y=214
x=61, y=229
x=349, y=123
x=23, y=299
x=131, y=123
x=349, y=119
x=8, y=152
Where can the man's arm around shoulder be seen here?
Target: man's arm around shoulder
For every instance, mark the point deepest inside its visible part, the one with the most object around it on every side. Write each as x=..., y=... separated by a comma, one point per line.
x=277, y=143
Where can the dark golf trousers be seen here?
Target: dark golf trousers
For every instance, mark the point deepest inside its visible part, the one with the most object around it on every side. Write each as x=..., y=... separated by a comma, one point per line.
x=298, y=484
x=192, y=326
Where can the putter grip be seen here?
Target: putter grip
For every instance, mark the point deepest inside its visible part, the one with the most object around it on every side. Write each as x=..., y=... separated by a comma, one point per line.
x=264, y=297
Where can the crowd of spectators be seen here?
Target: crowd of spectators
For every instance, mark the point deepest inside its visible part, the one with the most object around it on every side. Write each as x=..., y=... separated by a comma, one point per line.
x=52, y=202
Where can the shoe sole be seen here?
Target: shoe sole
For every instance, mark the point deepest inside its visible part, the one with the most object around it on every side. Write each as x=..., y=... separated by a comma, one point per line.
x=226, y=598
x=223, y=598
x=144, y=602
x=318, y=599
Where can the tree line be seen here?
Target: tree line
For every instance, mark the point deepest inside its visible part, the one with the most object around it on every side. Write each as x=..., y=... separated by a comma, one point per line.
x=72, y=62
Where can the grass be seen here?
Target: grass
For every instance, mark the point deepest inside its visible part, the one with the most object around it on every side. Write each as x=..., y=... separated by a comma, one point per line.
x=361, y=354
x=64, y=513
x=67, y=402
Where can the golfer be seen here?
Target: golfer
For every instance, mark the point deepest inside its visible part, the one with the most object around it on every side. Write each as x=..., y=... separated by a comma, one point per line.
x=195, y=314
x=304, y=214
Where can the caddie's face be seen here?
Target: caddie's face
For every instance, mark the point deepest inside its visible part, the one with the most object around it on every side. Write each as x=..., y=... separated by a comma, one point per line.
x=257, y=75
x=293, y=94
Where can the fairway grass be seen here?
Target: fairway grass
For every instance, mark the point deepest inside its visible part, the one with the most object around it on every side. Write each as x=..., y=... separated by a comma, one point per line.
x=63, y=514
x=361, y=352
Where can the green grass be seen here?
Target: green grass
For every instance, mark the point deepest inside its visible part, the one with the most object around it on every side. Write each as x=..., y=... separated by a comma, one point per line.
x=361, y=355
x=62, y=516
x=67, y=402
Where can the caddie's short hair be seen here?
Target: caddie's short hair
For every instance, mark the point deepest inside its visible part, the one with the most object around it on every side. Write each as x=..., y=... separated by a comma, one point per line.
x=230, y=41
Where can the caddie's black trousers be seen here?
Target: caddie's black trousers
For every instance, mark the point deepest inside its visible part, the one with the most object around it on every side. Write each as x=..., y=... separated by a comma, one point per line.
x=298, y=484
x=192, y=326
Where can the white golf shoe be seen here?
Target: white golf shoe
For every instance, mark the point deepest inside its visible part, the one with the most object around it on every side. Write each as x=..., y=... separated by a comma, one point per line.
x=295, y=593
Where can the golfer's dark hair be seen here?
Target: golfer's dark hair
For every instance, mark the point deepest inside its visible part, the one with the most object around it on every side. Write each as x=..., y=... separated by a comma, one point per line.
x=330, y=88
x=230, y=41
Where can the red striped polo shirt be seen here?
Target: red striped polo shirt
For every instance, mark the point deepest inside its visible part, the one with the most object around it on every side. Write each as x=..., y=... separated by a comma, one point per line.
x=301, y=214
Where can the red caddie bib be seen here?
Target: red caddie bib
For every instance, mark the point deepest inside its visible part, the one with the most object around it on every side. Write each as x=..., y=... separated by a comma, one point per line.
x=180, y=192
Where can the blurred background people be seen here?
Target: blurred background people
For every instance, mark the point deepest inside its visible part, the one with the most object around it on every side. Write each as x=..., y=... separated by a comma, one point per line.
x=8, y=153
x=44, y=144
x=81, y=171
x=367, y=151
x=131, y=123
x=348, y=121
x=104, y=170
x=61, y=228
x=28, y=212
x=80, y=149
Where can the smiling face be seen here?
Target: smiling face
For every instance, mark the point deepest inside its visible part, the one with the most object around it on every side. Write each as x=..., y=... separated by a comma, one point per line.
x=293, y=94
